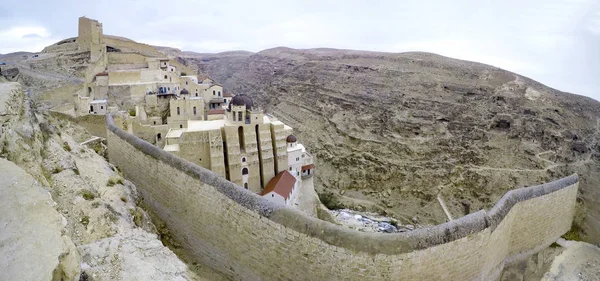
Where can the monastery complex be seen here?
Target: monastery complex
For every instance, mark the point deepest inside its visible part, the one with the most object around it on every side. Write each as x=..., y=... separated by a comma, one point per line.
x=191, y=116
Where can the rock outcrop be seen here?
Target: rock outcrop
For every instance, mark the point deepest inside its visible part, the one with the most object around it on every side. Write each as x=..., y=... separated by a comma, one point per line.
x=32, y=246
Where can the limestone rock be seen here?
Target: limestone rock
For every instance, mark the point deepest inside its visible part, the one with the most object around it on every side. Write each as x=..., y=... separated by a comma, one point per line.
x=132, y=255
x=33, y=246
x=580, y=261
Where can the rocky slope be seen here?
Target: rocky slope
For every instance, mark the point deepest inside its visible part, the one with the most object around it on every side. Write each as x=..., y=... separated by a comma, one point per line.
x=393, y=132
x=68, y=213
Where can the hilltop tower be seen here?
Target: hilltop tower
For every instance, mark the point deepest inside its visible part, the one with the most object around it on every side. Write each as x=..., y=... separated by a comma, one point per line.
x=90, y=37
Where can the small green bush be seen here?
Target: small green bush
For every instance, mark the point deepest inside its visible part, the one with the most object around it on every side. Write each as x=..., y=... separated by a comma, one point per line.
x=114, y=180
x=57, y=170
x=88, y=194
x=85, y=220
x=67, y=147
x=132, y=112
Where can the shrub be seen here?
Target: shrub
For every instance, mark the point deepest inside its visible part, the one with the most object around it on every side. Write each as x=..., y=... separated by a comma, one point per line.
x=85, y=220
x=132, y=112
x=67, y=147
x=88, y=194
x=114, y=180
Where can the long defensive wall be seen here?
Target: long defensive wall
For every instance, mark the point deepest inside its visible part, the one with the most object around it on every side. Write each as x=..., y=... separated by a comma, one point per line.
x=248, y=237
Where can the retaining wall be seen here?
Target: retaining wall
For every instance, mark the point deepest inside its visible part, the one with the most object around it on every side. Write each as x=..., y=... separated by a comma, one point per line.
x=247, y=237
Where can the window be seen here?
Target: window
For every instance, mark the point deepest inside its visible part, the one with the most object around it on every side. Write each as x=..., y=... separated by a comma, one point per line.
x=272, y=195
x=219, y=93
x=290, y=168
x=157, y=135
x=155, y=124
x=180, y=126
x=244, y=171
x=213, y=93
x=240, y=116
x=246, y=185
x=243, y=159
x=196, y=94
x=101, y=107
x=297, y=158
x=186, y=82
x=165, y=76
x=194, y=110
x=178, y=112
x=224, y=101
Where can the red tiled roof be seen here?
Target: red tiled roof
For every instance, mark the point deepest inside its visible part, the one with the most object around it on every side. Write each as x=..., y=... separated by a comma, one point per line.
x=306, y=167
x=102, y=74
x=216, y=111
x=282, y=184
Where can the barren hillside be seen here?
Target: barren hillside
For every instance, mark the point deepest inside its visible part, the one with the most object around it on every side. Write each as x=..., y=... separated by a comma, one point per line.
x=392, y=132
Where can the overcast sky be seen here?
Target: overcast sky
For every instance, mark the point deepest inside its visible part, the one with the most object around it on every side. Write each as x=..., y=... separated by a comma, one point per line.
x=554, y=42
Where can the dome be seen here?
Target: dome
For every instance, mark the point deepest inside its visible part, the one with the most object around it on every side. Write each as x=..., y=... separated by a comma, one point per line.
x=291, y=138
x=184, y=92
x=242, y=100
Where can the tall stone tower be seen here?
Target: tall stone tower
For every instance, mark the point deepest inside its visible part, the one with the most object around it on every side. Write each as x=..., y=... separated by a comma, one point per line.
x=90, y=37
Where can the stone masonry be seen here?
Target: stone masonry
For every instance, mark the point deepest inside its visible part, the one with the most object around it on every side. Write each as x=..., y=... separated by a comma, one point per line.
x=247, y=237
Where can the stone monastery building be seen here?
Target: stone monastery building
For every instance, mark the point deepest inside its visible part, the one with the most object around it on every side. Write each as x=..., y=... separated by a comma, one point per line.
x=189, y=116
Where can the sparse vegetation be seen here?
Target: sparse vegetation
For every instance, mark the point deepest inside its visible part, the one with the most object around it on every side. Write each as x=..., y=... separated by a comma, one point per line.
x=85, y=220
x=132, y=112
x=114, y=180
x=137, y=216
x=66, y=147
x=57, y=170
x=87, y=194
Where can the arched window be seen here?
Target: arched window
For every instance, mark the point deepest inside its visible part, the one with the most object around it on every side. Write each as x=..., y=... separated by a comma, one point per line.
x=157, y=135
x=165, y=76
x=246, y=185
x=213, y=92
x=243, y=159
x=219, y=93
x=194, y=110
x=178, y=112
x=244, y=171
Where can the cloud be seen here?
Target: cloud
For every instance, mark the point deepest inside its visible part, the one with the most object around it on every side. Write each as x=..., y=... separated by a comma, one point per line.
x=25, y=38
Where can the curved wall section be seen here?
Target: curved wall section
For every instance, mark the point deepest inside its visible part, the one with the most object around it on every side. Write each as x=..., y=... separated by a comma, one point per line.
x=248, y=237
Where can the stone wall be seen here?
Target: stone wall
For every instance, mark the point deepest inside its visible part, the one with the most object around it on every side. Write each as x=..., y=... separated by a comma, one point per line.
x=131, y=46
x=248, y=237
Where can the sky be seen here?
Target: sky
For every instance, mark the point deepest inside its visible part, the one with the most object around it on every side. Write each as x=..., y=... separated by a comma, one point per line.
x=554, y=42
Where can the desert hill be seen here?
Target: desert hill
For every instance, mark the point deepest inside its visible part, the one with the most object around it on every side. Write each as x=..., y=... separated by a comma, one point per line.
x=392, y=132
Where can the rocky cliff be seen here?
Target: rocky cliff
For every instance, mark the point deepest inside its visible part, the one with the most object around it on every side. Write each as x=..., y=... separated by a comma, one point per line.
x=393, y=132
x=67, y=213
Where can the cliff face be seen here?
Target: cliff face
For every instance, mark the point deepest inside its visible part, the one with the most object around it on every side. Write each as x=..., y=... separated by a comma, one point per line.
x=392, y=132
